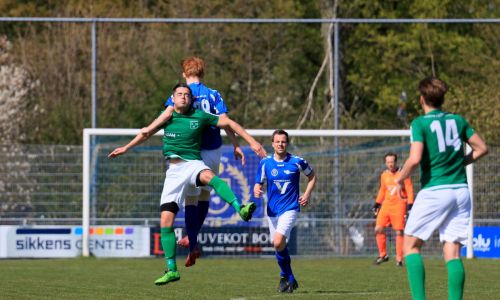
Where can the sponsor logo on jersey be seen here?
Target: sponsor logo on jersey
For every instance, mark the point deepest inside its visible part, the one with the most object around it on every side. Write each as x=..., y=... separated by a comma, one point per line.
x=289, y=172
x=282, y=186
x=194, y=124
x=170, y=134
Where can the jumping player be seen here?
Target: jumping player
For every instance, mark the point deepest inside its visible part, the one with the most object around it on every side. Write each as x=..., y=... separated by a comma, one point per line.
x=210, y=101
x=181, y=144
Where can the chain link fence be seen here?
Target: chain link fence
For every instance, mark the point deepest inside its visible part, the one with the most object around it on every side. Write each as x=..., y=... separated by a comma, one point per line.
x=42, y=185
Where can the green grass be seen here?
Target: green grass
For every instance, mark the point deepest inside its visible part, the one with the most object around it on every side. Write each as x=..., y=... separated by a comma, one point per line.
x=217, y=278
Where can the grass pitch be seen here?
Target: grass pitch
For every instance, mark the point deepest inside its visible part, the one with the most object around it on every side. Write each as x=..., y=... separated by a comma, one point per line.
x=233, y=278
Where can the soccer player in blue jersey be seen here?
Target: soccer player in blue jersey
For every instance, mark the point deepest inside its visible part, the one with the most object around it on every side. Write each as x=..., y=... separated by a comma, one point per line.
x=208, y=100
x=281, y=173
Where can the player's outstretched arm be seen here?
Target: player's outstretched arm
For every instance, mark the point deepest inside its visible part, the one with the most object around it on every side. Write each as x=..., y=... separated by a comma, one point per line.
x=139, y=138
x=479, y=149
x=162, y=119
x=238, y=153
x=311, y=183
x=225, y=122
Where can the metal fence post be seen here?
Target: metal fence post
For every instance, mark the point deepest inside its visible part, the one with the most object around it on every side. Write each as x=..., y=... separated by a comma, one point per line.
x=94, y=74
x=337, y=181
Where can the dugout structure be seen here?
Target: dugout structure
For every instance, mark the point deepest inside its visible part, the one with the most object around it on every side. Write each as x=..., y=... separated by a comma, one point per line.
x=338, y=221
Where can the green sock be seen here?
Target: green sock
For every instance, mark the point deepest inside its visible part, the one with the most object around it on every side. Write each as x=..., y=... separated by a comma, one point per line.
x=456, y=278
x=225, y=192
x=416, y=275
x=169, y=246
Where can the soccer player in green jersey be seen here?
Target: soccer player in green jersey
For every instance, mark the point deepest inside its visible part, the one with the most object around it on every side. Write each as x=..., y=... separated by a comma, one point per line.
x=181, y=144
x=196, y=206
x=437, y=144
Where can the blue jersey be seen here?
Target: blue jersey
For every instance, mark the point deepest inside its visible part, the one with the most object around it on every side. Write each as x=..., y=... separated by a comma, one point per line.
x=282, y=178
x=210, y=101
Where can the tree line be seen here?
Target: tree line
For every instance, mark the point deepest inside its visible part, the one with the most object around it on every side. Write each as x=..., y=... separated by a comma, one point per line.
x=270, y=75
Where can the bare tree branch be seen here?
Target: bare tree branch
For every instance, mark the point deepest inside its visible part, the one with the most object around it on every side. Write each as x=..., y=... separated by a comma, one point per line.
x=310, y=96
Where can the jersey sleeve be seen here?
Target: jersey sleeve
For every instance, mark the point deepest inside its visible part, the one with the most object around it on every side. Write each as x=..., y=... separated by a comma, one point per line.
x=305, y=167
x=417, y=134
x=210, y=119
x=220, y=106
x=169, y=102
x=468, y=130
x=381, y=191
x=260, y=176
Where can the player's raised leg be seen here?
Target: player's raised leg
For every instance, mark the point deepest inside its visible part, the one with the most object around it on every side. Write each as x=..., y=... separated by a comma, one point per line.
x=207, y=177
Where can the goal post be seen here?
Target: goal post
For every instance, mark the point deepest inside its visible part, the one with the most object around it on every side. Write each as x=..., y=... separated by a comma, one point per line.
x=91, y=147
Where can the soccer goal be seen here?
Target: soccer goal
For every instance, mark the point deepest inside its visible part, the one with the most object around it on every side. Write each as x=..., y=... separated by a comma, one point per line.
x=126, y=190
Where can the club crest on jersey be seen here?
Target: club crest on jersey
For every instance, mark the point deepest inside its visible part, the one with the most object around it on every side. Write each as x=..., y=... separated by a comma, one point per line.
x=194, y=124
x=274, y=172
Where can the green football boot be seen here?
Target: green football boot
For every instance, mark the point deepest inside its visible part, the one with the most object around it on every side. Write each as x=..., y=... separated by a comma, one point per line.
x=247, y=211
x=169, y=276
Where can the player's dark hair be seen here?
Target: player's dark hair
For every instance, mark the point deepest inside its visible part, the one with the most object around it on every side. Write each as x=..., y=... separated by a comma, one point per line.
x=181, y=85
x=391, y=154
x=279, y=131
x=433, y=91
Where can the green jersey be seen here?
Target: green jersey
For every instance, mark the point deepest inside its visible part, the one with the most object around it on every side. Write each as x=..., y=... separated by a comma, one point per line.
x=182, y=133
x=443, y=135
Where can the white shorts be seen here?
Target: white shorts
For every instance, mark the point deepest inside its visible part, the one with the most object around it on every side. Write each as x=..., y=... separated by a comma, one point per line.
x=444, y=208
x=180, y=179
x=211, y=158
x=282, y=224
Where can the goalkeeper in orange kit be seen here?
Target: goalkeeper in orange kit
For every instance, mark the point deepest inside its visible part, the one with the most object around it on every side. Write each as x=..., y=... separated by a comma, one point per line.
x=391, y=208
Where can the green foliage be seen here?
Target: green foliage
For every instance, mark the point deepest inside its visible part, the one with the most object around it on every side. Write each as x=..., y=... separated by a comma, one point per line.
x=263, y=71
x=382, y=60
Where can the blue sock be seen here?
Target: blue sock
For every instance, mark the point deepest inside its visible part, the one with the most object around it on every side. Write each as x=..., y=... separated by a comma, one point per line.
x=202, y=214
x=191, y=224
x=284, y=262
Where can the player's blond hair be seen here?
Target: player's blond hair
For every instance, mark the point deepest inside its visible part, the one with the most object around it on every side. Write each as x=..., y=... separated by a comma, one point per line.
x=193, y=66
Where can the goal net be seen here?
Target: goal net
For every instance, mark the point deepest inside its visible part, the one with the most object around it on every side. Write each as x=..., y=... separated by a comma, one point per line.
x=338, y=220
